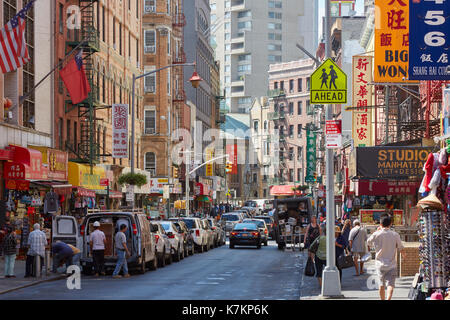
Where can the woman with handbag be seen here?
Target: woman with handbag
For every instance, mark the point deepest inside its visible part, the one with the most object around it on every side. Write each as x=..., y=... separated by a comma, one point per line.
x=340, y=246
x=318, y=249
x=311, y=233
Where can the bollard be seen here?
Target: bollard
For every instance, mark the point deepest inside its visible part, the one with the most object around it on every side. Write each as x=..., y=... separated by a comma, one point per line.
x=37, y=266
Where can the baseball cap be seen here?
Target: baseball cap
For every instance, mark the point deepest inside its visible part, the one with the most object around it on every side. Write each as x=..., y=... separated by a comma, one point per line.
x=96, y=224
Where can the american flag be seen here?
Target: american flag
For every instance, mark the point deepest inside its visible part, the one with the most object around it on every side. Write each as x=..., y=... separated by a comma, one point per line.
x=13, y=48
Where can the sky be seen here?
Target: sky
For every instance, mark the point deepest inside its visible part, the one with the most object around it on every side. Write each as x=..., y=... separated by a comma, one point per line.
x=359, y=10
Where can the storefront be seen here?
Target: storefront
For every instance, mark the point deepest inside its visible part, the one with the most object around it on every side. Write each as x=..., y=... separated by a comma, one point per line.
x=34, y=189
x=87, y=189
x=385, y=179
x=153, y=203
x=202, y=196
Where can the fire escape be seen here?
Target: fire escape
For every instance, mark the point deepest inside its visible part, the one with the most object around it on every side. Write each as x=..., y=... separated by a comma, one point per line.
x=87, y=38
x=179, y=57
x=431, y=100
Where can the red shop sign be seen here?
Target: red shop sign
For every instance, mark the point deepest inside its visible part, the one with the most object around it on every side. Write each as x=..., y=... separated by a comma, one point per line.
x=14, y=171
x=21, y=185
x=382, y=188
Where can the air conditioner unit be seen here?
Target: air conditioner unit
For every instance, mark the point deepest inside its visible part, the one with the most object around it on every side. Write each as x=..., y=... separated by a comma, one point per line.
x=148, y=9
x=150, y=89
x=149, y=130
x=149, y=49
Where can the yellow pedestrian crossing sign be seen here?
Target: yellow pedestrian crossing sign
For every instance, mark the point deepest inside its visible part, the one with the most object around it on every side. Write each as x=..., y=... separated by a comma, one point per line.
x=328, y=84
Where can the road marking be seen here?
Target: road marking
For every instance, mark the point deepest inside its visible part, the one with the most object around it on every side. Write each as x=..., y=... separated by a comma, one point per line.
x=201, y=283
x=216, y=278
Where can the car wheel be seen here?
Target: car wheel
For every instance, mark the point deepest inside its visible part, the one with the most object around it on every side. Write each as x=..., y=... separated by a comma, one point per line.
x=162, y=260
x=231, y=246
x=177, y=256
x=265, y=243
x=154, y=263
x=206, y=247
x=186, y=251
x=258, y=246
x=142, y=266
x=169, y=259
x=281, y=246
x=182, y=253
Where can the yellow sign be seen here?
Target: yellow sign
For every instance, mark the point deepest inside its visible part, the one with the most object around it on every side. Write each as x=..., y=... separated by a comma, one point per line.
x=391, y=41
x=80, y=176
x=209, y=166
x=328, y=84
x=362, y=98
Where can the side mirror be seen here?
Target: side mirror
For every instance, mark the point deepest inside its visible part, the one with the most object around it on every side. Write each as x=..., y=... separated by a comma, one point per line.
x=191, y=231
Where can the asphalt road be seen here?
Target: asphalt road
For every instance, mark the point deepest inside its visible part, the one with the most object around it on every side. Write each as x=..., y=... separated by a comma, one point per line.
x=219, y=274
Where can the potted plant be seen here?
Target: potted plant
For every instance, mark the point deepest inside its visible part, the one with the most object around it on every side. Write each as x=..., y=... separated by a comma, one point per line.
x=133, y=179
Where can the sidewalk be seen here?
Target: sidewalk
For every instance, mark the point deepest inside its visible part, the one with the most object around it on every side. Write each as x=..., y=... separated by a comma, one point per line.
x=353, y=288
x=11, y=284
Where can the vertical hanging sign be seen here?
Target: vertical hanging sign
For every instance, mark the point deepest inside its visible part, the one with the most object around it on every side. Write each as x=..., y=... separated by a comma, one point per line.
x=362, y=98
x=391, y=40
x=310, y=155
x=120, y=130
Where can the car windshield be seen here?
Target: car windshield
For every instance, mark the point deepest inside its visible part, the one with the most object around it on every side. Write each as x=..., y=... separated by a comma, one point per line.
x=266, y=219
x=230, y=217
x=260, y=224
x=166, y=226
x=250, y=204
x=245, y=226
x=190, y=223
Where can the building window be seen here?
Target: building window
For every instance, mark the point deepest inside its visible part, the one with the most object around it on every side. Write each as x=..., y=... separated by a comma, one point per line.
x=265, y=125
x=60, y=133
x=275, y=36
x=291, y=131
x=266, y=148
x=291, y=154
x=120, y=38
x=168, y=83
x=256, y=125
x=103, y=24
x=150, y=83
x=149, y=41
x=273, y=58
x=299, y=85
x=244, y=14
x=114, y=33
x=168, y=6
x=244, y=68
x=275, y=4
x=245, y=57
x=68, y=135
x=150, y=163
x=227, y=36
x=28, y=69
x=150, y=121
x=274, y=26
x=227, y=25
x=299, y=130
x=308, y=108
x=275, y=15
x=307, y=83
x=291, y=175
x=299, y=107
x=275, y=85
x=245, y=25
x=61, y=18
x=75, y=136
x=274, y=47
x=300, y=154
x=299, y=175
x=282, y=85
x=291, y=108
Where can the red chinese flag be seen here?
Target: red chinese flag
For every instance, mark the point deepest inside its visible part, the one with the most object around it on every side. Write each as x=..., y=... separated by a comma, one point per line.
x=75, y=79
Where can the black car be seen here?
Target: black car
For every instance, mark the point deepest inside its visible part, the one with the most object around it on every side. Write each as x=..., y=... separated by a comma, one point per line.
x=245, y=234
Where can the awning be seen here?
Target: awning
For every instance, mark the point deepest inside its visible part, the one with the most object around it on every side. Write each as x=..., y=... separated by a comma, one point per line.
x=115, y=195
x=283, y=191
x=26, y=165
x=203, y=198
x=382, y=188
x=80, y=175
x=59, y=187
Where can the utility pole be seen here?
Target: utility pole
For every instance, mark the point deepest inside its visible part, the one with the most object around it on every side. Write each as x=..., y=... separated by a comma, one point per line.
x=331, y=285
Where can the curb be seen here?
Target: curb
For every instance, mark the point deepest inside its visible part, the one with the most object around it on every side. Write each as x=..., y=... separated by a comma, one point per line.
x=33, y=283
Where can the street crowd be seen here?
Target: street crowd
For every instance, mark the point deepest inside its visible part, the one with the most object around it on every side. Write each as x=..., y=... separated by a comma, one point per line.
x=353, y=243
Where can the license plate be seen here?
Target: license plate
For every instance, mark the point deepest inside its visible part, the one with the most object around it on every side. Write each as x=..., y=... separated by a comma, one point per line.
x=245, y=234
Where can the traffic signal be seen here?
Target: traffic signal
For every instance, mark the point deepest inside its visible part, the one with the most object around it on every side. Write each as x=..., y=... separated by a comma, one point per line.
x=315, y=176
x=175, y=172
x=229, y=167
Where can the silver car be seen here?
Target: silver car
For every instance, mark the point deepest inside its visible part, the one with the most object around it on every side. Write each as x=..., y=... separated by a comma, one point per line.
x=209, y=232
x=219, y=234
x=163, y=245
x=175, y=239
x=230, y=220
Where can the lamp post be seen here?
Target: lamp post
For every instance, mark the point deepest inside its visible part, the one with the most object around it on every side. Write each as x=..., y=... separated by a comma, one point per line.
x=195, y=81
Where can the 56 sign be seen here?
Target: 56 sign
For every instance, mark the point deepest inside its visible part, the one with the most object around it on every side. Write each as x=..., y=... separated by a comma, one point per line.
x=428, y=44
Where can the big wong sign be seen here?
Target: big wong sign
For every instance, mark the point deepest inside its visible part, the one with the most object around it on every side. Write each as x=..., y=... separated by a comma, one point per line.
x=391, y=40
x=391, y=162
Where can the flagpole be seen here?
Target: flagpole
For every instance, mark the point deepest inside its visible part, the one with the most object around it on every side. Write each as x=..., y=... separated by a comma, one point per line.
x=26, y=95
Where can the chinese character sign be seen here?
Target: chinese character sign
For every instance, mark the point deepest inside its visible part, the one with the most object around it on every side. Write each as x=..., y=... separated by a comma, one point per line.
x=429, y=45
x=310, y=155
x=120, y=130
x=362, y=98
x=391, y=40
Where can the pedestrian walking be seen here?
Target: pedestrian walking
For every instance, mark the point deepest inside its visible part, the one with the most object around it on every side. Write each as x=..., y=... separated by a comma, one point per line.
x=319, y=250
x=9, y=250
x=122, y=253
x=311, y=233
x=357, y=242
x=386, y=243
x=36, y=242
x=345, y=232
x=62, y=253
x=340, y=247
x=98, y=242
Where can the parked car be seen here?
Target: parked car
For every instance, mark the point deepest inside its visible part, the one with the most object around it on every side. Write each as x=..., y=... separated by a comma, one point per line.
x=176, y=239
x=262, y=228
x=219, y=234
x=245, y=234
x=260, y=205
x=140, y=239
x=269, y=223
x=163, y=245
x=210, y=233
x=231, y=219
x=200, y=236
x=188, y=238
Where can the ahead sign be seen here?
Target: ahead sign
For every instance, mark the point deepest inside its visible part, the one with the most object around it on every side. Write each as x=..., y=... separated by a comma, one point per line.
x=328, y=84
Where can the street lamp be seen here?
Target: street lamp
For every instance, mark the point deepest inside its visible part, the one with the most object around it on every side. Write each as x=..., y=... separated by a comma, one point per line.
x=195, y=82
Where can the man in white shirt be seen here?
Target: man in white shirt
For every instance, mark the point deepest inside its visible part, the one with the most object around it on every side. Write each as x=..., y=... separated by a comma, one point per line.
x=98, y=242
x=386, y=243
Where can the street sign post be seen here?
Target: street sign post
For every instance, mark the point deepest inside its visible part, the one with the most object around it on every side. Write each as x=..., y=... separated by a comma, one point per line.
x=328, y=84
x=333, y=132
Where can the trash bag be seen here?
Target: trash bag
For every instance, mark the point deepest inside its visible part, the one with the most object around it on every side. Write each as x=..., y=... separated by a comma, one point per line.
x=310, y=270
